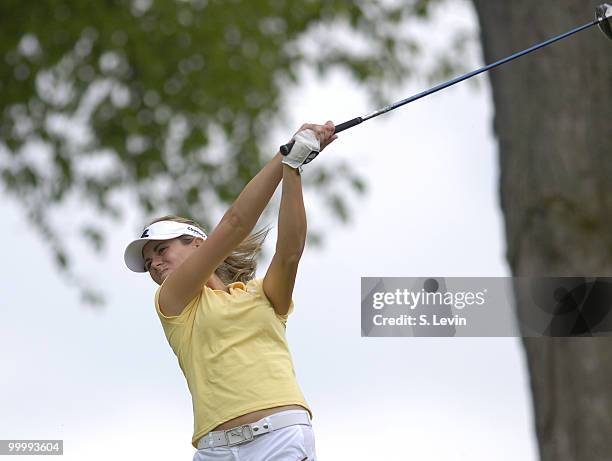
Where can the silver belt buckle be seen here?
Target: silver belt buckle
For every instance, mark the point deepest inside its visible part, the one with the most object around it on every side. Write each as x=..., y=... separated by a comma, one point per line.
x=238, y=435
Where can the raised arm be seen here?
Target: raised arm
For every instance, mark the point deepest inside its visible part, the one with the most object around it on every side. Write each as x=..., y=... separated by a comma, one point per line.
x=184, y=283
x=279, y=280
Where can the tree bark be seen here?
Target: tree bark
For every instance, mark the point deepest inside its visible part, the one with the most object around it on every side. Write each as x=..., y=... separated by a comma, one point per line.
x=553, y=124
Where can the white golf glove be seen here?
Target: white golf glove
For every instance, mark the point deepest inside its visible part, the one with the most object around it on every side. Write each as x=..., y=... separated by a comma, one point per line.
x=305, y=149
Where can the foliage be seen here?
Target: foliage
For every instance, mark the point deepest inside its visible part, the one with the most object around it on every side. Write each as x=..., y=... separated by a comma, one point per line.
x=171, y=100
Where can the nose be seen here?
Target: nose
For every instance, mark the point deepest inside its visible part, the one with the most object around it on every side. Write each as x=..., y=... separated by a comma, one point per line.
x=156, y=260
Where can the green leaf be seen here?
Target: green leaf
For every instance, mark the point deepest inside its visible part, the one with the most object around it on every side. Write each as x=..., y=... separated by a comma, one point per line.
x=183, y=92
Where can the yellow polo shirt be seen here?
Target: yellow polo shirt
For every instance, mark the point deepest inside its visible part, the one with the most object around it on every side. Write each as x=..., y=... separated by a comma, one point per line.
x=234, y=354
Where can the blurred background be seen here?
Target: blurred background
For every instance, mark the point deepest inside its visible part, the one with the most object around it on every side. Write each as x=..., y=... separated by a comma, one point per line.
x=114, y=113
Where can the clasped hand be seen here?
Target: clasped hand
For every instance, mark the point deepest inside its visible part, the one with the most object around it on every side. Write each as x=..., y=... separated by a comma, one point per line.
x=324, y=133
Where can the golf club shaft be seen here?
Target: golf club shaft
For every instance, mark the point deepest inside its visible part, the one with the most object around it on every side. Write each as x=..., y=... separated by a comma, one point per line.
x=285, y=149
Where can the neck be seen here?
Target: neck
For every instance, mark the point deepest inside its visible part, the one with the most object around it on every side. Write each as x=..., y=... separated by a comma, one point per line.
x=215, y=283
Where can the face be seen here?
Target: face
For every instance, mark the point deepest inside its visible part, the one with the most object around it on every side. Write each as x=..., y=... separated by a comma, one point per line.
x=163, y=256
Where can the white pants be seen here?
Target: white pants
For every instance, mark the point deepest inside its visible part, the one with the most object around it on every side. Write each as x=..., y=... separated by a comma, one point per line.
x=291, y=443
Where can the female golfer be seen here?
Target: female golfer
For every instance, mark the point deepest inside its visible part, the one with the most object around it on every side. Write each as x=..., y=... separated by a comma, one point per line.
x=226, y=328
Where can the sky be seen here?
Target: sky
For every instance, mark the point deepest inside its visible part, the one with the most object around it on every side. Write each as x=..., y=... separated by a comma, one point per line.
x=106, y=382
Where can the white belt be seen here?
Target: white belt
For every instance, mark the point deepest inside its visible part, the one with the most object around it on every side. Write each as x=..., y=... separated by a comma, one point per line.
x=247, y=432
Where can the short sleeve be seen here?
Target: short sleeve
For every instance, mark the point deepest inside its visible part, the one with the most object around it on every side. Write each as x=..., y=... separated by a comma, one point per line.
x=256, y=286
x=176, y=326
x=173, y=319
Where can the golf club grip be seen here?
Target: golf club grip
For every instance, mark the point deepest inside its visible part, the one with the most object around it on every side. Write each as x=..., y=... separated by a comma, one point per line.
x=346, y=125
x=286, y=148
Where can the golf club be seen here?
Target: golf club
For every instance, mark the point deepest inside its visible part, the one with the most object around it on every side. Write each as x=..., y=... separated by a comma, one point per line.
x=603, y=13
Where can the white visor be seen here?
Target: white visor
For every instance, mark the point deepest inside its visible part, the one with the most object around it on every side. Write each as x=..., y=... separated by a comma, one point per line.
x=161, y=230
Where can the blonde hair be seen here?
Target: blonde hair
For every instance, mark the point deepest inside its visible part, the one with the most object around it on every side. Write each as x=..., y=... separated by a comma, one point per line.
x=241, y=264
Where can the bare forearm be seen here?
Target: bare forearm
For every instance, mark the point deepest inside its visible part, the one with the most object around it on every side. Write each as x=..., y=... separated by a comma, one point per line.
x=251, y=202
x=291, y=217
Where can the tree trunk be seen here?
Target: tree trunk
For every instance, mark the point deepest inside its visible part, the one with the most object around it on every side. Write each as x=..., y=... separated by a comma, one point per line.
x=553, y=122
